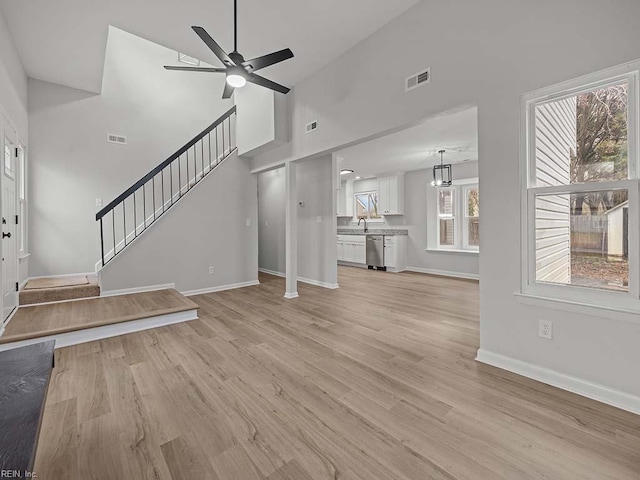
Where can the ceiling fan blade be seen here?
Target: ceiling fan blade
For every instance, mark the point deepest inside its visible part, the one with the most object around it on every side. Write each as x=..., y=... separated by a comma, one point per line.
x=196, y=69
x=268, y=60
x=211, y=43
x=263, y=82
x=228, y=91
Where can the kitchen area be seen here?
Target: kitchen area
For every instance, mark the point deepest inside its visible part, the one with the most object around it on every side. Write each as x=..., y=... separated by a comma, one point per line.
x=370, y=242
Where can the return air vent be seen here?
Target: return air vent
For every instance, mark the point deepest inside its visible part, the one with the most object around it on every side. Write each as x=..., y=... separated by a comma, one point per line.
x=111, y=138
x=419, y=79
x=311, y=126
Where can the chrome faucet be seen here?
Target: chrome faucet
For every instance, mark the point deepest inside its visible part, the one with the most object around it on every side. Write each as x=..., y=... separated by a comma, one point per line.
x=366, y=229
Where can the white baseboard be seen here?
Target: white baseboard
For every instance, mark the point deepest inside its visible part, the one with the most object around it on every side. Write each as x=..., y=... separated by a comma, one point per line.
x=444, y=273
x=271, y=272
x=576, y=385
x=220, y=288
x=291, y=295
x=98, y=333
x=310, y=281
x=317, y=283
x=128, y=291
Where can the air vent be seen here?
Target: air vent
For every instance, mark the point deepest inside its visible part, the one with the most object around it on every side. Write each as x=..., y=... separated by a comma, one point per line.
x=183, y=58
x=420, y=78
x=111, y=138
x=311, y=126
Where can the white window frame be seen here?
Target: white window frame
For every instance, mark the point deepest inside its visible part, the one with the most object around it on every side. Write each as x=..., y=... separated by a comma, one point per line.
x=22, y=192
x=573, y=294
x=355, y=206
x=454, y=216
x=466, y=217
x=460, y=241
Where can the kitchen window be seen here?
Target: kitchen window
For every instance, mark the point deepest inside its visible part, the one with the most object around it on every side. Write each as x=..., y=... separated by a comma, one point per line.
x=580, y=195
x=367, y=205
x=457, y=220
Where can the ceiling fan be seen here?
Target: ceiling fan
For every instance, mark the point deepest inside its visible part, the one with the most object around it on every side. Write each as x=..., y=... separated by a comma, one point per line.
x=238, y=70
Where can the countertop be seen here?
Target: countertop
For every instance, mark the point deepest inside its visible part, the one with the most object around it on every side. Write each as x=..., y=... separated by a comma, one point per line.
x=373, y=231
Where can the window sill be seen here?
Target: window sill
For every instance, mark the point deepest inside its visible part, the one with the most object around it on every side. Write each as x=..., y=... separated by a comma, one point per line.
x=443, y=250
x=22, y=256
x=629, y=314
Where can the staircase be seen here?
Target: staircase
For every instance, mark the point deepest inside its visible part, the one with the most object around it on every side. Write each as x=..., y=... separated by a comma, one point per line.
x=70, y=310
x=141, y=205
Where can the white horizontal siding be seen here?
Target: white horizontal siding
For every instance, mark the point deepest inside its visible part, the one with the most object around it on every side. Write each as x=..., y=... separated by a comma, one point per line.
x=555, y=143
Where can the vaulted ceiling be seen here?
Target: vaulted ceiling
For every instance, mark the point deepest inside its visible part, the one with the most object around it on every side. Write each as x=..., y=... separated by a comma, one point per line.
x=63, y=41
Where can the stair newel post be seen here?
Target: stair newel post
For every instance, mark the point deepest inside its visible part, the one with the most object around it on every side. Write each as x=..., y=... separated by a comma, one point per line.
x=113, y=227
x=102, y=241
x=202, y=158
x=135, y=217
x=223, y=149
x=124, y=222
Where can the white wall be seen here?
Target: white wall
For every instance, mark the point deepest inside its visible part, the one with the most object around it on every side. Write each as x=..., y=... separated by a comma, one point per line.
x=206, y=228
x=317, y=247
x=13, y=101
x=485, y=53
x=13, y=82
x=271, y=220
x=316, y=240
x=72, y=164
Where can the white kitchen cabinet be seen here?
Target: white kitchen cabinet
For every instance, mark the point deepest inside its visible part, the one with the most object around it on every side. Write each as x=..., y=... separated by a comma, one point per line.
x=340, y=248
x=352, y=249
x=391, y=195
x=344, y=200
x=395, y=253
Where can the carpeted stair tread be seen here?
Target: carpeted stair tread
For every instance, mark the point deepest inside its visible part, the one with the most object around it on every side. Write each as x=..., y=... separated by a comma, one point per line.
x=59, y=293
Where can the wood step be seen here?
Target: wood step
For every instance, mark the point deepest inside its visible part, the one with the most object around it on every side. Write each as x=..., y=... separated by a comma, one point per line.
x=90, y=319
x=59, y=292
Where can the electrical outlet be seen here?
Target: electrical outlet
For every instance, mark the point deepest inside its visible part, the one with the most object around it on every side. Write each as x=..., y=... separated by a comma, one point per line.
x=98, y=202
x=211, y=271
x=266, y=223
x=319, y=219
x=545, y=329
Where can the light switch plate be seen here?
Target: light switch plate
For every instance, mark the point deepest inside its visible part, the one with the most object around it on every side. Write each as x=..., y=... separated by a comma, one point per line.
x=98, y=202
x=248, y=222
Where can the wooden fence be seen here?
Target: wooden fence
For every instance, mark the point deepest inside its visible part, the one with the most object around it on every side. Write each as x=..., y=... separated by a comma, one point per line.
x=589, y=233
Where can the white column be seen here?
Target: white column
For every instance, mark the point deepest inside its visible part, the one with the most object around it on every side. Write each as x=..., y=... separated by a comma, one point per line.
x=291, y=230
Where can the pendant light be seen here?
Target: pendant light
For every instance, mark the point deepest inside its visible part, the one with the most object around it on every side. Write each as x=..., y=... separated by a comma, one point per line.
x=442, y=173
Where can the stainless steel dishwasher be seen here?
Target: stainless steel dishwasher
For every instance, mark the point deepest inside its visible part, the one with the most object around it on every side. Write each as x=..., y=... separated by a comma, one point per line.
x=375, y=251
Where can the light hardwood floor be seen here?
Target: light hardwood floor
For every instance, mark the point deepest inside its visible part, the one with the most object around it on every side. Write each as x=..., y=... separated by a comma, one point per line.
x=34, y=321
x=374, y=381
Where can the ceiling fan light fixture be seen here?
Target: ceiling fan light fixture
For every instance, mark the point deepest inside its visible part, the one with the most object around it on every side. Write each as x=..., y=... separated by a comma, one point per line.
x=236, y=81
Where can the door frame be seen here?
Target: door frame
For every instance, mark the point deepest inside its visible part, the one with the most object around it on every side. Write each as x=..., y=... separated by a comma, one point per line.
x=6, y=119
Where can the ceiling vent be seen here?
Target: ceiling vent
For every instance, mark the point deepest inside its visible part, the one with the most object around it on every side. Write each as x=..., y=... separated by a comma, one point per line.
x=311, y=126
x=419, y=79
x=111, y=138
x=183, y=58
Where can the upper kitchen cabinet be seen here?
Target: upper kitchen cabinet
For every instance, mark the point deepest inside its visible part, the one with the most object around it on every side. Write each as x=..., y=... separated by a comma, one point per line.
x=391, y=195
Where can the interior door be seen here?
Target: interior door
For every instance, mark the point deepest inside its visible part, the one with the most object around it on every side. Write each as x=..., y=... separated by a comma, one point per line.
x=9, y=230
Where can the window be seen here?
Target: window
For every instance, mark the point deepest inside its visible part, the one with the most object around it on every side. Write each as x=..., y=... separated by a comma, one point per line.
x=367, y=205
x=22, y=199
x=471, y=217
x=581, y=192
x=458, y=216
x=446, y=218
